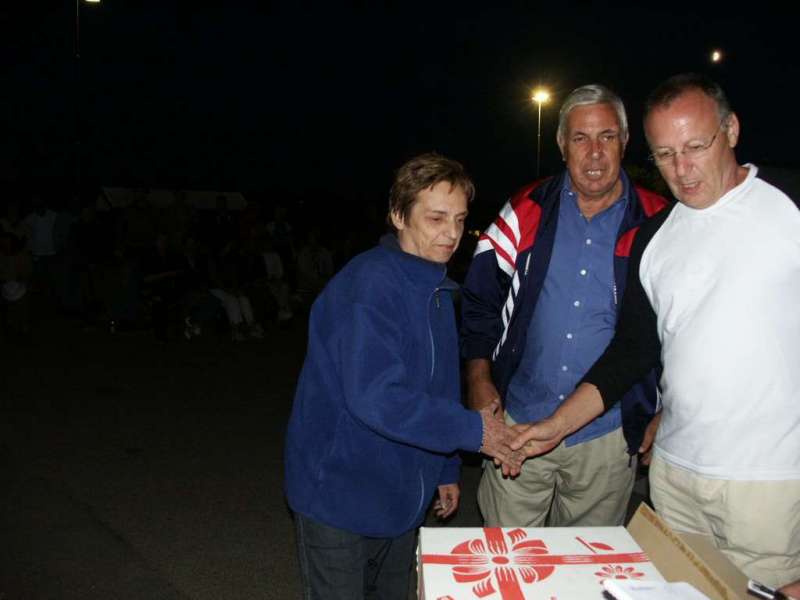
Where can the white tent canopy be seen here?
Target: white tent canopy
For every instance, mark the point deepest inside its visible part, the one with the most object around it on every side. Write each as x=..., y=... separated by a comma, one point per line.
x=113, y=197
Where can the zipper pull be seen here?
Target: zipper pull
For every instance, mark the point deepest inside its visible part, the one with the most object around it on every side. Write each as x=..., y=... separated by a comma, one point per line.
x=436, y=296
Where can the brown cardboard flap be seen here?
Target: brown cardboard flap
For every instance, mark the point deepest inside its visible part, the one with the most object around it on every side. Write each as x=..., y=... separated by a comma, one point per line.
x=687, y=557
x=717, y=562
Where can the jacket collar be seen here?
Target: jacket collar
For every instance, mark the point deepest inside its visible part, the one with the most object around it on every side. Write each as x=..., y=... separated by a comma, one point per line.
x=420, y=271
x=547, y=193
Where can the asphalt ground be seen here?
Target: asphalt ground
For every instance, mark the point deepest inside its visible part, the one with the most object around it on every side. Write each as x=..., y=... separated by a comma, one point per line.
x=136, y=470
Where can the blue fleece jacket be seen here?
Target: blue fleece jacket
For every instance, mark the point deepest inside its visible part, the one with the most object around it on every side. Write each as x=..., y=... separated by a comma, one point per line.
x=377, y=415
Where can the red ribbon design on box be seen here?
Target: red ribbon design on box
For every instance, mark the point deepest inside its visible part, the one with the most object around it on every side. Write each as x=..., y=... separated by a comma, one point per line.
x=493, y=567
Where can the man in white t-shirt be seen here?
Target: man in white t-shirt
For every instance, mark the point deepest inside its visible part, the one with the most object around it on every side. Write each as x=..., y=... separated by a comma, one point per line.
x=712, y=293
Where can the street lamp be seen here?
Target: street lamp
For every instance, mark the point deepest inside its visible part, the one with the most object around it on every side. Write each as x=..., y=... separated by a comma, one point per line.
x=78, y=25
x=540, y=96
x=78, y=90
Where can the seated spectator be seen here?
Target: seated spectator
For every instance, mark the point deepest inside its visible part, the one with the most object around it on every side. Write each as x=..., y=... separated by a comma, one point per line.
x=273, y=266
x=42, y=245
x=87, y=247
x=136, y=229
x=228, y=278
x=201, y=305
x=162, y=272
x=12, y=223
x=314, y=267
x=16, y=268
x=282, y=234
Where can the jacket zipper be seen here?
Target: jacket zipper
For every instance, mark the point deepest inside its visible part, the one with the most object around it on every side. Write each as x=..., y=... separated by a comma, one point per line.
x=435, y=297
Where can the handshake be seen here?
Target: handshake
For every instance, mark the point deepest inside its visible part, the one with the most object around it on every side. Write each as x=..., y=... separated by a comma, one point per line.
x=510, y=446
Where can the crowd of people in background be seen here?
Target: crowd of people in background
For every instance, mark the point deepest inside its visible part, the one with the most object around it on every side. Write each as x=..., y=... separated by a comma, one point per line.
x=179, y=271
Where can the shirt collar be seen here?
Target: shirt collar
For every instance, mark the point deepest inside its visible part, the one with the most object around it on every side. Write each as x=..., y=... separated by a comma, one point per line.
x=623, y=200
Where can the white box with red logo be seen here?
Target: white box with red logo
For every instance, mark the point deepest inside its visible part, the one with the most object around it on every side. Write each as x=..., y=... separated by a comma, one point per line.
x=566, y=563
x=557, y=563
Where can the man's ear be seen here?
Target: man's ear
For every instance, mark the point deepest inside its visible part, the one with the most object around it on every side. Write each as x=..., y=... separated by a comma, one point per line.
x=732, y=130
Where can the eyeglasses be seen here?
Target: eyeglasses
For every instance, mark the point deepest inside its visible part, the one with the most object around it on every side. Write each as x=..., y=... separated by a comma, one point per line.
x=691, y=150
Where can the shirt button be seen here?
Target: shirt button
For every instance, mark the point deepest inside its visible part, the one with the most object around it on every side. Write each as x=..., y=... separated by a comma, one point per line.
x=561, y=396
x=576, y=303
x=583, y=272
x=563, y=367
x=569, y=336
x=588, y=241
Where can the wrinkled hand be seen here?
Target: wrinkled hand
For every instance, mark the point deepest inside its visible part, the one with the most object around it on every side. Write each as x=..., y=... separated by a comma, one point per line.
x=533, y=439
x=497, y=438
x=792, y=590
x=646, y=449
x=447, y=502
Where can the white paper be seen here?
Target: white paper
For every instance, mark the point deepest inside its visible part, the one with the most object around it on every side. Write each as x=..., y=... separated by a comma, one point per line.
x=652, y=590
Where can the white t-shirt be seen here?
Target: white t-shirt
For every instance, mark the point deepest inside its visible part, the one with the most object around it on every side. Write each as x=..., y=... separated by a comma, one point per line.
x=273, y=265
x=725, y=284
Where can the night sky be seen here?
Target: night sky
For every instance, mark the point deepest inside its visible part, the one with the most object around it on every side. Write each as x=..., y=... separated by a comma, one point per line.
x=326, y=99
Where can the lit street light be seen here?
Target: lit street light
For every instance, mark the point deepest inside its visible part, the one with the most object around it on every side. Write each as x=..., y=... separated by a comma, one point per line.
x=78, y=92
x=540, y=96
x=716, y=56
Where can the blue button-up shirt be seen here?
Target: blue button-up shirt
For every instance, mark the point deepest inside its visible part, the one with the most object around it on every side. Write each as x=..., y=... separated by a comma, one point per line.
x=575, y=315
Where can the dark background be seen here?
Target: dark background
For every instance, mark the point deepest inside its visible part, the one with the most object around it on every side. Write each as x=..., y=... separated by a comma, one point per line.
x=321, y=101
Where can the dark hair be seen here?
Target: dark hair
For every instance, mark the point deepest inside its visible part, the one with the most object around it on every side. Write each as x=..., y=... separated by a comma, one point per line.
x=667, y=91
x=421, y=173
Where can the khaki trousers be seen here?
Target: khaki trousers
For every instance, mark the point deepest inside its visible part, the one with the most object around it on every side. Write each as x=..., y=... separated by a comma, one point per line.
x=756, y=524
x=588, y=484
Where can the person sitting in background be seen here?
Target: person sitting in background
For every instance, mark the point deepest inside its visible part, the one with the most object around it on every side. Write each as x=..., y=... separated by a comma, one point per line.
x=200, y=304
x=228, y=277
x=162, y=272
x=42, y=245
x=273, y=266
x=12, y=223
x=15, y=272
x=87, y=253
x=314, y=266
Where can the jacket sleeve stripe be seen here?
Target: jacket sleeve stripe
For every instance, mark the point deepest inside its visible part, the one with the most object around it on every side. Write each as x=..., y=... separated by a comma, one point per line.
x=504, y=261
x=499, y=238
x=508, y=222
x=515, y=282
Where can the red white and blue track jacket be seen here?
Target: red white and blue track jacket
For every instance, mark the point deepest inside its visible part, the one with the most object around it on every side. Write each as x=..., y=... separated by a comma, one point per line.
x=507, y=274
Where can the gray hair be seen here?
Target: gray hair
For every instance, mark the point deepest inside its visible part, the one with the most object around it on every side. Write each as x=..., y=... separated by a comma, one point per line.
x=587, y=95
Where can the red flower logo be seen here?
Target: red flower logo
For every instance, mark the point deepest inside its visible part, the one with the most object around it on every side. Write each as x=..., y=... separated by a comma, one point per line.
x=618, y=572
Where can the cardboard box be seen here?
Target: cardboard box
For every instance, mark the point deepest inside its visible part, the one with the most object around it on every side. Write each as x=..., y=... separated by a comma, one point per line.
x=563, y=563
x=687, y=557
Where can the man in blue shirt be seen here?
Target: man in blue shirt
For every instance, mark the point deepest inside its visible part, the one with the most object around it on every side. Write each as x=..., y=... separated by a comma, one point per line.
x=540, y=306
